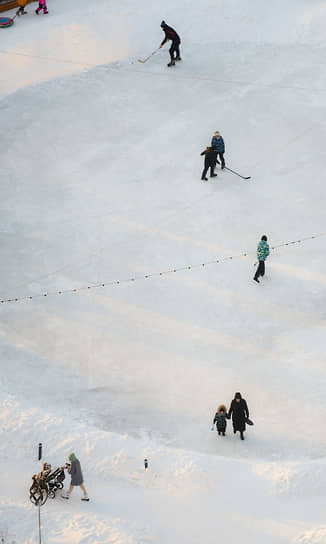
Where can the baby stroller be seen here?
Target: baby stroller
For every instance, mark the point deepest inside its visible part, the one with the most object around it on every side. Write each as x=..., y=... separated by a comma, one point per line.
x=54, y=481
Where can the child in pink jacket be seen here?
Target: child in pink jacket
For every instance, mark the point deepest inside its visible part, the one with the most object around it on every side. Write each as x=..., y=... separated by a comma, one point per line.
x=41, y=5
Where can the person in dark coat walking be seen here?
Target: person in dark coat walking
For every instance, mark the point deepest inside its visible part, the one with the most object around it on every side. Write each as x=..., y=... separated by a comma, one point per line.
x=171, y=34
x=210, y=162
x=219, y=148
x=262, y=254
x=220, y=420
x=74, y=470
x=240, y=413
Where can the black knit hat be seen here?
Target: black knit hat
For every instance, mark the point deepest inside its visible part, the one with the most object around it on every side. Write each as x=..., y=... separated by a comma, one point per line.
x=238, y=396
x=163, y=23
x=264, y=237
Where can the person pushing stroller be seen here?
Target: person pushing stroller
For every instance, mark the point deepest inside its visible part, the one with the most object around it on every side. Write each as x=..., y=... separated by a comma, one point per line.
x=77, y=479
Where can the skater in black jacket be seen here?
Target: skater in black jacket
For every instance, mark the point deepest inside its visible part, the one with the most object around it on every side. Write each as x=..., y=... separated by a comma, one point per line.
x=210, y=162
x=240, y=413
x=171, y=34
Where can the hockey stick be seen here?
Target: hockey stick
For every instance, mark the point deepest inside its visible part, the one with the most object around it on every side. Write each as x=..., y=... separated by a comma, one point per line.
x=236, y=173
x=150, y=56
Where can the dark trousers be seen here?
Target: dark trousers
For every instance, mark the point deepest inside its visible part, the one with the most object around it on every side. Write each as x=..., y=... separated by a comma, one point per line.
x=260, y=270
x=212, y=167
x=221, y=157
x=174, y=49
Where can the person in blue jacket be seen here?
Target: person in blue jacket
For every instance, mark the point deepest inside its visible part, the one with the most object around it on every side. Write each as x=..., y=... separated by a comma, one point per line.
x=219, y=148
x=262, y=254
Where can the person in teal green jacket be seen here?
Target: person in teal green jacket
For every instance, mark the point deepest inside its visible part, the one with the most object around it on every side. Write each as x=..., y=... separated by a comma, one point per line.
x=262, y=254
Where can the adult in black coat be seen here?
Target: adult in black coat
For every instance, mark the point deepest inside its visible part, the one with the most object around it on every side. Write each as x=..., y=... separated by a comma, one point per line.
x=171, y=34
x=210, y=162
x=240, y=413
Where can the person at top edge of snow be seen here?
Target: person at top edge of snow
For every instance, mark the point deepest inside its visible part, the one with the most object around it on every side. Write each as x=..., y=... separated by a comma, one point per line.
x=75, y=471
x=219, y=147
x=210, y=162
x=262, y=254
x=171, y=34
x=240, y=413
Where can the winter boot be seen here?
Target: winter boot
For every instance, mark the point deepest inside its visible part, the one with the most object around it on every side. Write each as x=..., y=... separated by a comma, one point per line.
x=45, y=12
x=234, y=431
x=171, y=63
x=223, y=433
x=257, y=280
x=214, y=176
x=177, y=58
x=219, y=432
x=85, y=498
x=204, y=179
x=241, y=435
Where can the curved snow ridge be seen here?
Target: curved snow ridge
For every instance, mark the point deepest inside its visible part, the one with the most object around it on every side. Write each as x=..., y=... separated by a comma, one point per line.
x=313, y=536
x=63, y=528
x=297, y=479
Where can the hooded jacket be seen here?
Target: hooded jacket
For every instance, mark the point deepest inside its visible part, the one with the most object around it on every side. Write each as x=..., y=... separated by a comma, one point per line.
x=220, y=418
x=75, y=470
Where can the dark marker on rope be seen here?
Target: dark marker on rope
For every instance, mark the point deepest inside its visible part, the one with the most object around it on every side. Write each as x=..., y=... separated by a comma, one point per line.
x=40, y=451
x=146, y=464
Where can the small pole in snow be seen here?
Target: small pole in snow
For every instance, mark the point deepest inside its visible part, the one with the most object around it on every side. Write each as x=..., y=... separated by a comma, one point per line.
x=39, y=524
x=40, y=451
x=146, y=464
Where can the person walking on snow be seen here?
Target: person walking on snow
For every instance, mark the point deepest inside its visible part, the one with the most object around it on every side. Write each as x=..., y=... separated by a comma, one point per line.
x=219, y=148
x=262, y=254
x=76, y=478
x=171, y=34
x=220, y=420
x=21, y=9
x=210, y=162
x=240, y=413
x=42, y=5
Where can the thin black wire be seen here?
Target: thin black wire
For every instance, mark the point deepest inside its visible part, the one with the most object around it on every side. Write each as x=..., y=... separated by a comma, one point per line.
x=152, y=274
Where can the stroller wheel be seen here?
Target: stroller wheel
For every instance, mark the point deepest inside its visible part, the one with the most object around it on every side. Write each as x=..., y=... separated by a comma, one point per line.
x=52, y=494
x=60, y=485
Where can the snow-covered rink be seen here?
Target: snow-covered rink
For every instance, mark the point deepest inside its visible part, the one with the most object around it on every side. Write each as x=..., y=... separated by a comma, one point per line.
x=100, y=177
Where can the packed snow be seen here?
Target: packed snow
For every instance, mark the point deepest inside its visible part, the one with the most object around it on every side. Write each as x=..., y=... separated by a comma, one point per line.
x=100, y=175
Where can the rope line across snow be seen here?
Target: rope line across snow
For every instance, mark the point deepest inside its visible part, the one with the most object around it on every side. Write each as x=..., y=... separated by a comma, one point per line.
x=151, y=274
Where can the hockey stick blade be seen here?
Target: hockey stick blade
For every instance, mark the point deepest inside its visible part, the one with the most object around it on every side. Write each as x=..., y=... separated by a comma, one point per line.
x=236, y=173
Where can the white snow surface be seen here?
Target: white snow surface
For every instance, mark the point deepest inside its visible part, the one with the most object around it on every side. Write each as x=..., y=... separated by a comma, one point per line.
x=100, y=176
